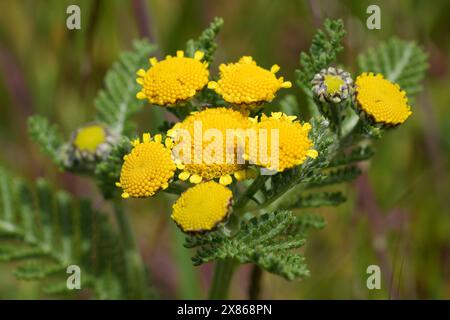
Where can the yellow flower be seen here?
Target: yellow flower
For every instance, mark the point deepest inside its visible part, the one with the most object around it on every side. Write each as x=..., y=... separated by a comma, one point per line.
x=147, y=168
x=173, y=80
x=381, y=100
x=245, y=83
x=290, y=135
x=202, y=207
x=200, y=161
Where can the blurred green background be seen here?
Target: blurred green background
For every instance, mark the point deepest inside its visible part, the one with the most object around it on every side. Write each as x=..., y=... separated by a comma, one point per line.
x=398, y=214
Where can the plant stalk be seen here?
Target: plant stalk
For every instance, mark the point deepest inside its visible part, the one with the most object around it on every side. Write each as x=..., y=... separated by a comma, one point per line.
x=223, y=274
x=135, y=268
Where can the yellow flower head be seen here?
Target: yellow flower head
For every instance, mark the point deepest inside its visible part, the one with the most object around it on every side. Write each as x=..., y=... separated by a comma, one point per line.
x=290, y=135
x=245, y=83
x=206, y=157
x=173, y=80
x=147, y=168
x=202, y=207
x=381, y=100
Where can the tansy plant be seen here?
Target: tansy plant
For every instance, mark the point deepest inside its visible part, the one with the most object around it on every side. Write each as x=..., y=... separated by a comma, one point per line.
x=241, y=180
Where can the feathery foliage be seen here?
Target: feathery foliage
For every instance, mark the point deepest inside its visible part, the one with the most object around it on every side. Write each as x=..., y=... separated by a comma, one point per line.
x=207, y=40
x=46, y=136
x=325, y=46
x=403, y=62
x=267, y=241
x=117, y=103
x=46, y=231
x=107, y=172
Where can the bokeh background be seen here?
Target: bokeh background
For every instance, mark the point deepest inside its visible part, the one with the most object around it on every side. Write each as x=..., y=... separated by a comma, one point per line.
x=398, y=212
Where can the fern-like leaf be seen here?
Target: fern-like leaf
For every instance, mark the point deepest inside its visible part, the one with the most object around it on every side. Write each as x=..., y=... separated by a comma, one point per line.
x=267, y=241
x=207, y=41
x=46, y=136
x=340, y=175
x=46, y=231
x=117, y=103
x=402, y=62
x=326, y=44
x=313, y=200
x=107, y=172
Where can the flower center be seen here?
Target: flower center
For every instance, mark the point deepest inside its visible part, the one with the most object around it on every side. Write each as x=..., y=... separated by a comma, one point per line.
x=89, y=138
x=333, y=83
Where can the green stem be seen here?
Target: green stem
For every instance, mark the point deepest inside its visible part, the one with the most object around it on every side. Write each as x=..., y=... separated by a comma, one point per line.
x=223, y=273
x=255, y=283
x=224, y=269
x=135, y=268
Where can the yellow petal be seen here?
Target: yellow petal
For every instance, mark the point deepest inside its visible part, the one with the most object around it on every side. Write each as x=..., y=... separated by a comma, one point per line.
x=275, y=68
x=225, y=180
x=169, y=143
x=146, y=137
x=153, y=61
x=180, y=53
x=239, y=175
x=212, y=85
x=140, y=81
x=180, y=166
x=125, y=195
x=118, y=184
x=286, y=84
x=184, y=175
x=140, y=95
x=157, y=138
x=312, y=153
x=141, y=73
x=199, y=55
x=195, y=178
x=277, y=115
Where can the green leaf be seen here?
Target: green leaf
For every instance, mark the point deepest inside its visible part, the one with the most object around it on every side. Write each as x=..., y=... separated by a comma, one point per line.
x=117, y=103
x=46, y=136
x=354, y=155
x=44, y=232
x=268, y=241
x=344, y=174
x=207, y=41
x=402, y=62
x=107, y=172
x=326, y=44
x=313, y=200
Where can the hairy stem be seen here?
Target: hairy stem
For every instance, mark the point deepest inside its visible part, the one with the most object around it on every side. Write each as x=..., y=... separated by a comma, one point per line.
x=223, y=274
x=135, y=268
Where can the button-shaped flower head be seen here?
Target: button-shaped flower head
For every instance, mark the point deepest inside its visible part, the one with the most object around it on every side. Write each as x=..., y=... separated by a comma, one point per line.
x=205, y=154
x=88, y=145
x=290, y=142
x=332, y=85
x=173, y=80
x=202, y=207
x=382, y=101
x=245, y=83
x=147, y=168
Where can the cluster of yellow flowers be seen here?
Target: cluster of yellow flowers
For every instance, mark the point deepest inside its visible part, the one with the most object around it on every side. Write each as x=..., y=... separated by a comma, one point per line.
x=152, y=164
